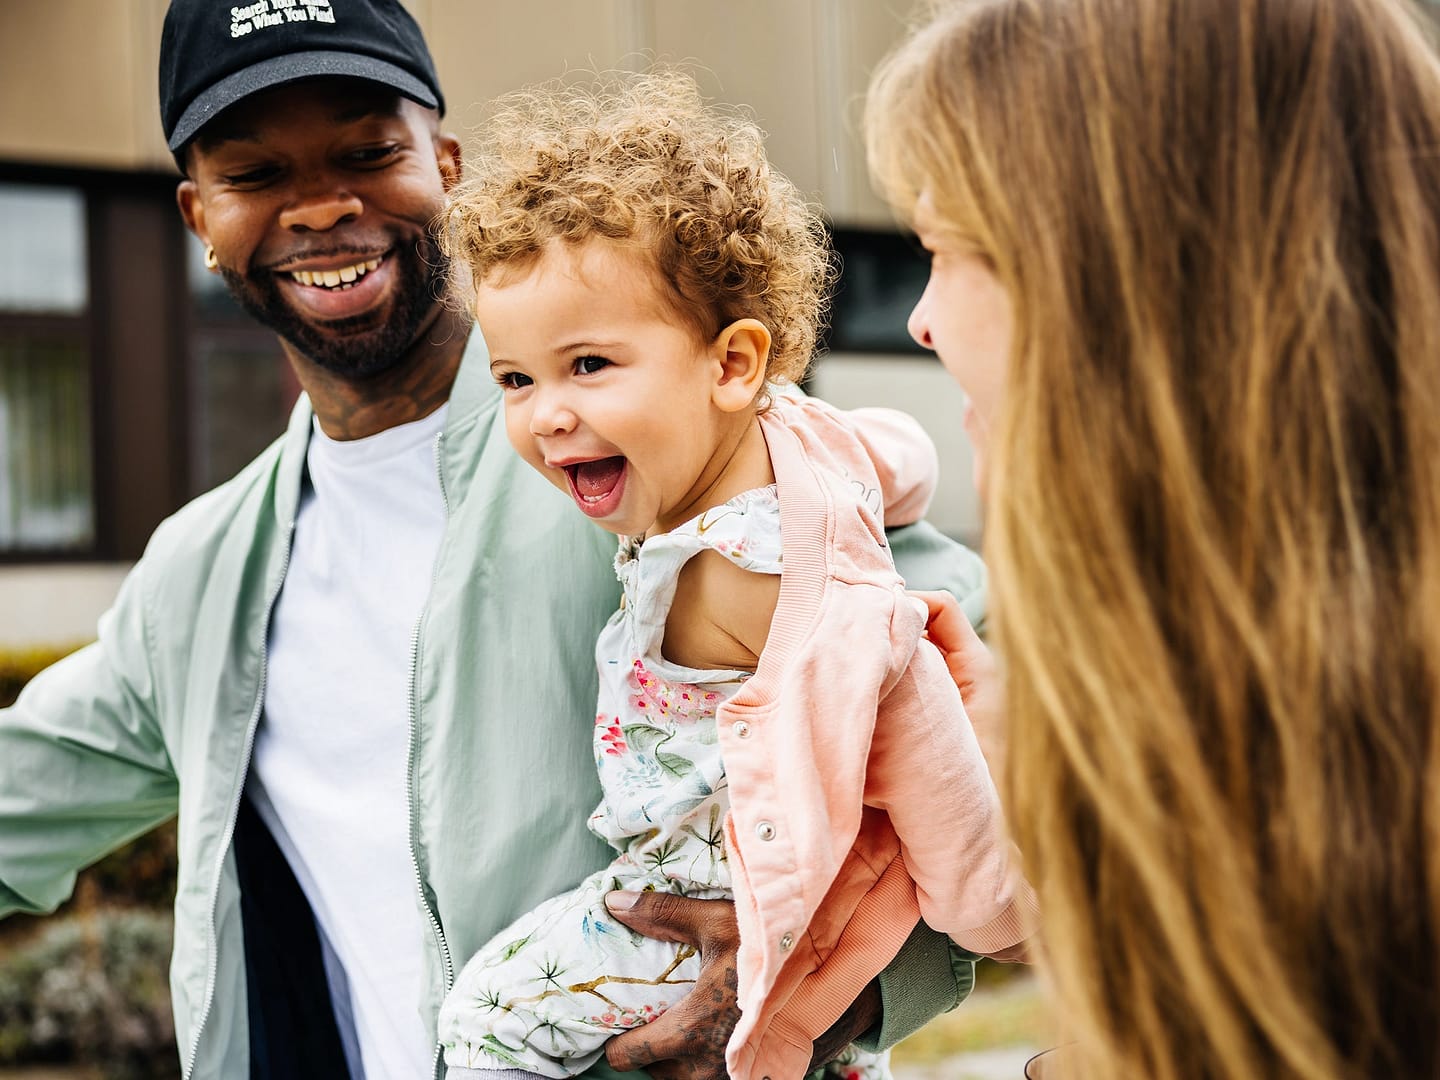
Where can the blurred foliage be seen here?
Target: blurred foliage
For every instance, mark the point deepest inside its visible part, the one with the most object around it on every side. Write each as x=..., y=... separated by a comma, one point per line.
x=1007, y=1008
x=140, y=874
x=91, y=989
x=18, y=666
x=89, y=986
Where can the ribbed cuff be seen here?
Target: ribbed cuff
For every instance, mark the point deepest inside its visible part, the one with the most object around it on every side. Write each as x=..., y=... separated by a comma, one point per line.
x=929, y=975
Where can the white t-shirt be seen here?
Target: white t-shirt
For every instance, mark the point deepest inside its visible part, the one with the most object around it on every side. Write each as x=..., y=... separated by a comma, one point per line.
x=329, y=771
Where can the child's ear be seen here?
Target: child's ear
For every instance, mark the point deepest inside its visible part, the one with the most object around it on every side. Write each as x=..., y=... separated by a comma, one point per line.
x=743, y=352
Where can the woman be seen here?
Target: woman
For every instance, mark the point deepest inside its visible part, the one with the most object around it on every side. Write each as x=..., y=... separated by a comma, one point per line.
x=1187, y=267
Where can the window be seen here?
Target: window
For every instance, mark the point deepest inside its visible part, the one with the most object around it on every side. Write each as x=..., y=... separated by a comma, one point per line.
x=46, y=461
x=882, y=274
x=240, y=384
x=129, y=380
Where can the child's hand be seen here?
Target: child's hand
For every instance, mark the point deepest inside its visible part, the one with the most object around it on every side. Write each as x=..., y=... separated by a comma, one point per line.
x=975, y=673
x=688, y=1041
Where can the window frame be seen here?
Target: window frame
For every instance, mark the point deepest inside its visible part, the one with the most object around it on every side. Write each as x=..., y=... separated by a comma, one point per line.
x=133, y=329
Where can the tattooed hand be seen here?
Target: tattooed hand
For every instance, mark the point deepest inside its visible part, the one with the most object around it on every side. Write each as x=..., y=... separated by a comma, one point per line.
x=863, y=1014
x=688, y=1042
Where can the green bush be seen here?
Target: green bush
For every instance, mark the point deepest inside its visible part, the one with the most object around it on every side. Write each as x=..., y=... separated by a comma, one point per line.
x=19, y=666
x=89, y=986
x=142, y=873
x=91, y=989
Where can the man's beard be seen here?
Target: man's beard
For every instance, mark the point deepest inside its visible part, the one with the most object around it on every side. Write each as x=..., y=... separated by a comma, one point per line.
x=354, y=348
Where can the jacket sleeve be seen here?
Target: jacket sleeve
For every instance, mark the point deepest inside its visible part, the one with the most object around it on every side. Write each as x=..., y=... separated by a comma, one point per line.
x=904, y=457
x=927, y=772
x=928, y=559
x=897, y=448
x=83, y=762
x=931, y=974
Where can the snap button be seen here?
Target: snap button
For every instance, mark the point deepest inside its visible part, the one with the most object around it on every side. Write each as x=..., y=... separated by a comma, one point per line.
x=741, y=729
x=765, y=830
x=786, y=941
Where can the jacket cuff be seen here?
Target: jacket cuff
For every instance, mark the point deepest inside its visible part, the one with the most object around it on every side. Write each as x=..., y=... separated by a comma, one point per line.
x=929, y=975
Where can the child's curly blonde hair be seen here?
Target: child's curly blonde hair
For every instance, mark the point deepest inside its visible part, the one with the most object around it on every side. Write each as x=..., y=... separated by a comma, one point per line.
x=644, y=159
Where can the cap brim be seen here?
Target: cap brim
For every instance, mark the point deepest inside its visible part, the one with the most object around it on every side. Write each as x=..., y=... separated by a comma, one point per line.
x=283, y=69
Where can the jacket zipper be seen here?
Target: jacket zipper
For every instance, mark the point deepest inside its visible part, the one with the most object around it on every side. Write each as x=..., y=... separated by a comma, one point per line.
x=212, y=945
x=436, y=930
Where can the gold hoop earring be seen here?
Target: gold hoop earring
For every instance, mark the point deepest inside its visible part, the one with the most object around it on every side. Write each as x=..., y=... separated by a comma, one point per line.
x=210, y=261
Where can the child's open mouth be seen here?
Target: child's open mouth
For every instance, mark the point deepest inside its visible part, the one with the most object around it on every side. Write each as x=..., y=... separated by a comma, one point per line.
x=596, y=486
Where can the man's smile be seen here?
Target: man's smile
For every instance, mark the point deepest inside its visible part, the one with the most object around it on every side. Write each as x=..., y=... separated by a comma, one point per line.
x=337, y=290
x=343, y=278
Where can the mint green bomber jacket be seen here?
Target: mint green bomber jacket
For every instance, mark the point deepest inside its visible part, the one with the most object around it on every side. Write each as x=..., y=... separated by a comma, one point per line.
x=158, y=716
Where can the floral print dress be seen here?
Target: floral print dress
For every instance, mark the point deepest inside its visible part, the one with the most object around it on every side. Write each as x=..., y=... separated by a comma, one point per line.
x=542, y=996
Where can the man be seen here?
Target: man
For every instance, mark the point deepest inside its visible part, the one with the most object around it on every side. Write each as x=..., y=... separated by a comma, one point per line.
x=359, y=671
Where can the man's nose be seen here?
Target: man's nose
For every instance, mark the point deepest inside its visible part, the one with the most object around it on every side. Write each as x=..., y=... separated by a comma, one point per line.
x=319, y=204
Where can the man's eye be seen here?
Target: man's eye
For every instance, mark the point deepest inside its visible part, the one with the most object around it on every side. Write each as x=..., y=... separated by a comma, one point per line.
x=589, y=365
x=373, y=155
x=251, y=177
x=513, y=380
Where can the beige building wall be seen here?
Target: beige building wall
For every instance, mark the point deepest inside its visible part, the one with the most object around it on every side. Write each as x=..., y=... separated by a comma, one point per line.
x=800, y=65
x=78, y=77
x=78, y=83
x=78, y=88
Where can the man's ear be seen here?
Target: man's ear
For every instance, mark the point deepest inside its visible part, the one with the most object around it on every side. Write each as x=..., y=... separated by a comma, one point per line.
x=449, y=158
x=743, y=352
x=192, y=212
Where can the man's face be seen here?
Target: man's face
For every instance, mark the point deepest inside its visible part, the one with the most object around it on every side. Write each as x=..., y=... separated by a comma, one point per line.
x=317, y=198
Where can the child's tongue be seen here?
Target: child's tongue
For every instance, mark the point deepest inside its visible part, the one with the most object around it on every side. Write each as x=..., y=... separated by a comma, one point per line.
x=596, y=478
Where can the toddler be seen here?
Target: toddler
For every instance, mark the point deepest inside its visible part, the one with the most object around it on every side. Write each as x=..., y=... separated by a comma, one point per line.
x=771, y=724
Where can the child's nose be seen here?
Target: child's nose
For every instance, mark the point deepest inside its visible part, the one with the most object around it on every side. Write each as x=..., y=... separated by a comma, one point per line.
x=552, y=415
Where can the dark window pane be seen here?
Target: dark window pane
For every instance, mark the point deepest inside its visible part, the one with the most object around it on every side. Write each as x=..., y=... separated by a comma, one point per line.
x=239, y=402
x=239, y=396
x=46, y=481
x=881, y=277
x=210, y=299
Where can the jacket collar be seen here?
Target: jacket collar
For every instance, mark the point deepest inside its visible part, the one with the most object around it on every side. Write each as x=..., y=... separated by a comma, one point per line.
x=473, y=399
x=291, y=470
x=475, y=390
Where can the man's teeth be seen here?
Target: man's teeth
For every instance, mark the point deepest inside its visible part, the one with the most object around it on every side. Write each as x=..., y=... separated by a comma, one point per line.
x=334, y=279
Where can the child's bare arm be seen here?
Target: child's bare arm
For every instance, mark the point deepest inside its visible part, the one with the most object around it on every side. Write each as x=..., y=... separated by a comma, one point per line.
x=721, y=614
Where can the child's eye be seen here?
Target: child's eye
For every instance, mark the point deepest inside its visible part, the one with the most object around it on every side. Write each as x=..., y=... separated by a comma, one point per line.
x=589, y=365
x=513, y=380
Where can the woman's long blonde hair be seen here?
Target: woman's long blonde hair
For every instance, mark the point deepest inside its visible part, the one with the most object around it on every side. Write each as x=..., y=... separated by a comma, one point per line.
x=1214, y=513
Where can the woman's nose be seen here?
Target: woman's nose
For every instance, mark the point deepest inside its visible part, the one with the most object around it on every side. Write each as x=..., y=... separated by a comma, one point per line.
x=919, y=323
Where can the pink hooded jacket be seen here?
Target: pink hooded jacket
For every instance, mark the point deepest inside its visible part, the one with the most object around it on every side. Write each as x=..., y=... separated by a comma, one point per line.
x=860, y=801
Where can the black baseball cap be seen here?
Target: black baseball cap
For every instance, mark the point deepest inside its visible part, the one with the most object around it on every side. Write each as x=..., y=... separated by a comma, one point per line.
x=213, y=53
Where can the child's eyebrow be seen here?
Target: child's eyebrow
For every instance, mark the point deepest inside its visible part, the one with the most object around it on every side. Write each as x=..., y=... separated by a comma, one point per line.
x=592, y=346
